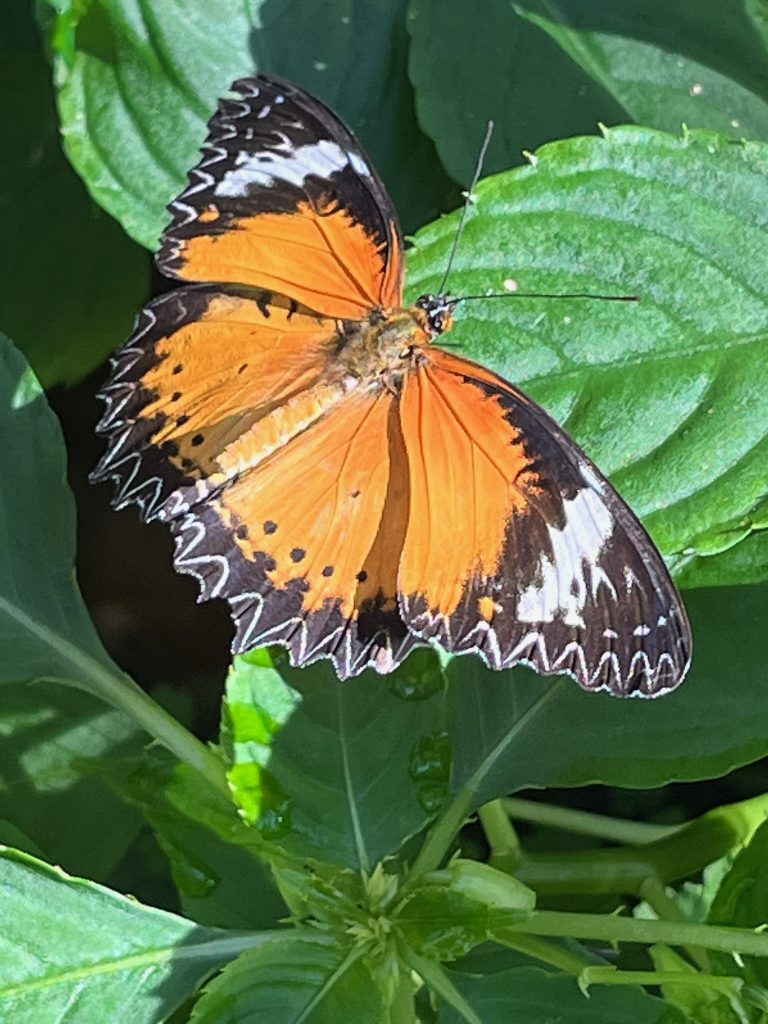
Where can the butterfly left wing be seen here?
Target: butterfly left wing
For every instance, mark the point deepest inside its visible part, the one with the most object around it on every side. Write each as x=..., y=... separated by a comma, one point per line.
x=208, y=377
x=519, y=549
x=285, y=199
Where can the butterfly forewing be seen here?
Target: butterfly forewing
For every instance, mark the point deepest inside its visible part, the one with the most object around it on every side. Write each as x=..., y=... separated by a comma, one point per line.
x=202, y=368
x=549, y=566
x=284, y=198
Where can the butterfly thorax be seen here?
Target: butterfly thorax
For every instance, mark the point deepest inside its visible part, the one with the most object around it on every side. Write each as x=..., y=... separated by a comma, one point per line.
x=387, y=344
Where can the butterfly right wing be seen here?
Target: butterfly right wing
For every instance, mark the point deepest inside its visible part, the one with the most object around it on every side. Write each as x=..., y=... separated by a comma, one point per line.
x=519, y=549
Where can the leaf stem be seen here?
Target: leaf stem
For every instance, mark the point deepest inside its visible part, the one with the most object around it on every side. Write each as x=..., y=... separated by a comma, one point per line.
x=506, y=852
x=107, y=683
x=435, y=977
x=598, y=975
x=600, y=826
x=546, y=952
x=656, y=896
x=625, y=870
x=611, y=928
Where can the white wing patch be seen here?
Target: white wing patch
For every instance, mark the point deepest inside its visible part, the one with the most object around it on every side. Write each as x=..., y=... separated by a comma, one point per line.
x=319, y=159
x=571, y=576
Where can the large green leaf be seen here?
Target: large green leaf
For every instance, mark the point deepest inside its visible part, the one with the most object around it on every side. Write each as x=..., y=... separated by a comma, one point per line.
x=335, y=754
x=666, y=394
x=138, y=83
x=667, y=63
x=45, y=629
x=76, y=953
x=293, y=980
x=540, y=997
x=513, y=729
x=71, y=279
x=215, y=860
x=467, y=69
x=49, y=734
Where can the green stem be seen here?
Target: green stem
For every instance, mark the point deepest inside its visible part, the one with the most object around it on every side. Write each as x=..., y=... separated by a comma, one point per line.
x=453, y=815
x=624, y=871
x=402, y=1009
x=600, y=826
x=119, y=690
x=596, y=975
x=506, y=852
x=435, y=977
x=612, y=928
x=656, y=896
x=546, y=952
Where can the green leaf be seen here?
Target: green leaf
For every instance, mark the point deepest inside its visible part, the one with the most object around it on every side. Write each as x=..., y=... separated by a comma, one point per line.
x=73, y=951
x=539, y=997
x=742, y=899
x=293, y=980
x=45, y=631
x=222, y=875
x=442, y=923
x=65, y=313
x=467, y=70
x=335, y=754
x=50, y=734
x=745, y=562
x=138, y=83
x=699, y=1003
x=45, y=628
x=512, y=729
x=665, y=394
x=666, y=64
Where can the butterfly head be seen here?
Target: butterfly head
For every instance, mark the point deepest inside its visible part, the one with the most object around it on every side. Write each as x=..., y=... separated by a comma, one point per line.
x=436, y=313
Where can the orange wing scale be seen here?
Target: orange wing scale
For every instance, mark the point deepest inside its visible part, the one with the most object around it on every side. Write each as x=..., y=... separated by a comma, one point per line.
x=335, y=252
x=304, y=545
x=469, y=474
x=202, y=367
x=519, y=550
x=284, y=198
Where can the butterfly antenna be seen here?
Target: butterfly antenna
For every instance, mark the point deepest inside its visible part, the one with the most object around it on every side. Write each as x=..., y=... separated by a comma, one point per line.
x=468, y=200
x=545, y=295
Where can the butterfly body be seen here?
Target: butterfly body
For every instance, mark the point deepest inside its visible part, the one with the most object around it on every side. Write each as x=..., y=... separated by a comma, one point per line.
x=352, y=489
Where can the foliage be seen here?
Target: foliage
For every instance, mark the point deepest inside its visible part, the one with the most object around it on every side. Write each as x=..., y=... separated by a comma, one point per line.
x=320, y=861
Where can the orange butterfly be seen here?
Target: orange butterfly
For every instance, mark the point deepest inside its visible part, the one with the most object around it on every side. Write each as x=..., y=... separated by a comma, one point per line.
x=351, y=489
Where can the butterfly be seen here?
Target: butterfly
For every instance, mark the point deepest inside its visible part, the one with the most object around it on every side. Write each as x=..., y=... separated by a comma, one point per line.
x=352, y=489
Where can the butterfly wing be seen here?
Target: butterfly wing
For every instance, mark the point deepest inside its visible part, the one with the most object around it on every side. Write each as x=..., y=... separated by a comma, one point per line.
x=519, y=549
x=205, y=371
x=305, y=544
x=285, y=199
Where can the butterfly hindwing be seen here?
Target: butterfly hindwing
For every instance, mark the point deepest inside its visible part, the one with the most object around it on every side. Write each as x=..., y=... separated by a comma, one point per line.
x=549, y=567
x=305, y=544
x=284, y=198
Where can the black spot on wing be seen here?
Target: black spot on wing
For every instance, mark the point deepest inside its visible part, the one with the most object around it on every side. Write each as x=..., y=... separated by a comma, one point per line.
x=265, y=614
x=143, y=473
